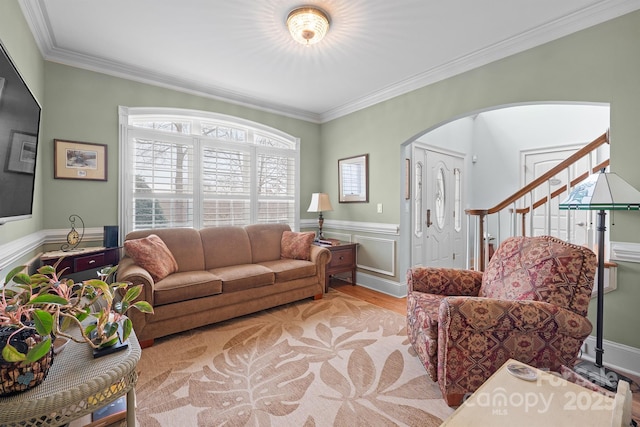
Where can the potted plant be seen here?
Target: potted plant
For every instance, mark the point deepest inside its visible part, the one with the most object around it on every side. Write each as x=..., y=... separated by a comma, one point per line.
x=33, y=308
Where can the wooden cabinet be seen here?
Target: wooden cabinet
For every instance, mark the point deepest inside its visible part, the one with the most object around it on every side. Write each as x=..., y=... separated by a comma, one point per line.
x=343, y=259
x=82, y=259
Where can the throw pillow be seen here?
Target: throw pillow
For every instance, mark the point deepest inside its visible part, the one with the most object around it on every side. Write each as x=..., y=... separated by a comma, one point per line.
x=152, y=254
x=296, y=245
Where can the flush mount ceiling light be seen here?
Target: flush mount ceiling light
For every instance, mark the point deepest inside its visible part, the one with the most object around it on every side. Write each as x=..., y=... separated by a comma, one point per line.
x=307, y=25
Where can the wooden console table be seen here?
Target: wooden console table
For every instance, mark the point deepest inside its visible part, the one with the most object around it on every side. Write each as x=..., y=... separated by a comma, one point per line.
x=343, y=259
x=76, y=385
x=82, y=259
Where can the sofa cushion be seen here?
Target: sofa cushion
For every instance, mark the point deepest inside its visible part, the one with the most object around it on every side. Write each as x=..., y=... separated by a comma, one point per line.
x=290, y=269
x=241, y=277
x=153, y=255
x=296, y=245
x=184, y=244
x=186, y=286
x=265, y=241
x=225, y=246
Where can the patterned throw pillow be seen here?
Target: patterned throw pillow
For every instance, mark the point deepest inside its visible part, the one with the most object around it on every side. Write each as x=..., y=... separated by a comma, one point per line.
x=152, y=254
x=296, y=245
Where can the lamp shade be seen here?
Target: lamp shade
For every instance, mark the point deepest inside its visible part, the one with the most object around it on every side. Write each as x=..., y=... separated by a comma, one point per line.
x=603, y=191
x=320, y=203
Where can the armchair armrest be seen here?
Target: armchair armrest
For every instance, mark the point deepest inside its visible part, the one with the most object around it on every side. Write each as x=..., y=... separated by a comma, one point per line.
x=444, y=281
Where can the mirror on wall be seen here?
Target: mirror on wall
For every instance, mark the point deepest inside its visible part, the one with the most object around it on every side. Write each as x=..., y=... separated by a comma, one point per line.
x=353, y=179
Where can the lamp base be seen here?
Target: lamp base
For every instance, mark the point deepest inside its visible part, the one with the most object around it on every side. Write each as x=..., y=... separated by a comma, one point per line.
x=600, y=375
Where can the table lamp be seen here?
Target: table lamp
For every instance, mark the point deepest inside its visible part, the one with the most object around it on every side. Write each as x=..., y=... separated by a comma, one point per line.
x=602, y=192
x=320, y=203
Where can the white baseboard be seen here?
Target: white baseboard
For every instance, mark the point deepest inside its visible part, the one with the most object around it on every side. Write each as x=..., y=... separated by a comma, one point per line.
x=623, y=358
x=385, y=286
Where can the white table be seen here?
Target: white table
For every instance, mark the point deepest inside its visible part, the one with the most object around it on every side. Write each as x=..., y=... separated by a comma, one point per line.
x=505, y=400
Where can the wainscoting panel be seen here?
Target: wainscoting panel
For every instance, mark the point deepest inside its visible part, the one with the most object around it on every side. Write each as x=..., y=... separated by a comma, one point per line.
x=376, y=254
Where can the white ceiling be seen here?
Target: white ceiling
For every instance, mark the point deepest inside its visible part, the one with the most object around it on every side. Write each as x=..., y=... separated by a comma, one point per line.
x=240, y=50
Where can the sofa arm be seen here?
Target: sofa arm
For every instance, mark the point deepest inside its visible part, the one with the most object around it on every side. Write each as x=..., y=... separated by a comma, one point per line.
x=444, y=281
x=320, y=256
x=535, y=332
x=129, y=271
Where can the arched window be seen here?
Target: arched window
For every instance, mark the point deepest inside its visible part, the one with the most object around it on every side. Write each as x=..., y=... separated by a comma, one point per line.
x=183, y=168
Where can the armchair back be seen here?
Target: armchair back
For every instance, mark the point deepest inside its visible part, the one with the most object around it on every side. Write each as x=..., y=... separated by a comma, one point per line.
x=541, y=268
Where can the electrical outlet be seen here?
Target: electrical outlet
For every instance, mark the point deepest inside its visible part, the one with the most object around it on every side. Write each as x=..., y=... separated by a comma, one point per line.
x=379, y=207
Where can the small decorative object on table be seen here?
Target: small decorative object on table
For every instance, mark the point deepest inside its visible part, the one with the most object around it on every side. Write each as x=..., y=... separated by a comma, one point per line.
x=73, y=236
x=35, y=308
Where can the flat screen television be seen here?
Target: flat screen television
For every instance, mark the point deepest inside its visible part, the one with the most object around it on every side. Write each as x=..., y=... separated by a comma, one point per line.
x=19, y=129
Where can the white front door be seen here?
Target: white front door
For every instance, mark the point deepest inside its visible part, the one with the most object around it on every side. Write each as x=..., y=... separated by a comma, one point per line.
x=437, y=217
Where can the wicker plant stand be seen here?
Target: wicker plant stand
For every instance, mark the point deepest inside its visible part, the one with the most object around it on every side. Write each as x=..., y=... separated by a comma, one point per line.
x=77, y=384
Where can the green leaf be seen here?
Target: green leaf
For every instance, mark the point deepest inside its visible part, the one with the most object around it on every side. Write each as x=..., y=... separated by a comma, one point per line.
x=47, y=270
x=127, y=326
x=132, y=293
x=22, y=279
x=111, y=328
x=90, y=328
x=49, y=299
x=109, y=343
x=106, y=292
x=11, y=354
x=43, y=321
x=12, y=273
x=39, y=350
x=143, y=306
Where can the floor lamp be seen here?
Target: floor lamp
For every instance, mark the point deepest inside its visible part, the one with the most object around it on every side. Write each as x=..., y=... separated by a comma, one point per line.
x=601, y=192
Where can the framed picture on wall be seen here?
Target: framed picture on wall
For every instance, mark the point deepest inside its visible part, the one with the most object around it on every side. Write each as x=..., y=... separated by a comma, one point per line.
x=22, y=153
x=353, y=182
x=80, y=160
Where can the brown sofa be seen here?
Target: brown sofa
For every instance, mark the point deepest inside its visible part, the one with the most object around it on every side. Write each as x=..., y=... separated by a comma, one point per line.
x=222, y=272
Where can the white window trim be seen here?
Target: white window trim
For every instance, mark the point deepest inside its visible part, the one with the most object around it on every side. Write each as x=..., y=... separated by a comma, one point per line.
x=125, y=130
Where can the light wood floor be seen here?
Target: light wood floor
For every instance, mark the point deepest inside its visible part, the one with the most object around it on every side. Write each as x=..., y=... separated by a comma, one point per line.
x=399, y=305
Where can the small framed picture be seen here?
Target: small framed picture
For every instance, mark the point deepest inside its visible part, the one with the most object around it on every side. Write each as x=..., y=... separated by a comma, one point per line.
x=22, y=153
x=80, y=160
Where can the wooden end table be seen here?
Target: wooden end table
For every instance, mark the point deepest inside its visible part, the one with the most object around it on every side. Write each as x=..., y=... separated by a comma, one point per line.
x=76, y=385
x=343, y=259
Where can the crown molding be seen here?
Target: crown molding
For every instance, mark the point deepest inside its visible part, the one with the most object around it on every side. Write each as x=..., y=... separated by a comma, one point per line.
x=600, y=12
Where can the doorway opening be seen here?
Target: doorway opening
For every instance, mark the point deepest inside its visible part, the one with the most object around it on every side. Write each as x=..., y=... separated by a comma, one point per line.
x=492, y=148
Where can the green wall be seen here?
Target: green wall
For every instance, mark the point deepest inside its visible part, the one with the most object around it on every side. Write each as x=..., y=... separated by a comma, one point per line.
x=18, y=41
x=600, y=64
x=83, y=106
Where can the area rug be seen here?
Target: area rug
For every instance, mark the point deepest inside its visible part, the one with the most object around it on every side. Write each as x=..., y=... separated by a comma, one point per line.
x=338, y=361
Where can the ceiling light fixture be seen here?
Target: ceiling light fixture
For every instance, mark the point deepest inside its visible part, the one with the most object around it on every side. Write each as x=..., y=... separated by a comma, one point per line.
x=307, y=25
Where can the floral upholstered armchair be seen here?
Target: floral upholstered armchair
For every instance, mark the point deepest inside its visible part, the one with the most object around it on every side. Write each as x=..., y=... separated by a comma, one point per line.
x=530, y=305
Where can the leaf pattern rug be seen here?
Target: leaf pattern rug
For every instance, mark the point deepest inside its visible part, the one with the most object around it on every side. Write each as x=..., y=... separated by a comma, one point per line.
x=338, y=361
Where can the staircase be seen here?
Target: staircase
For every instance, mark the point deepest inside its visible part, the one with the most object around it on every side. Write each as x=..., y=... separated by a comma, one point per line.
x=527, y=213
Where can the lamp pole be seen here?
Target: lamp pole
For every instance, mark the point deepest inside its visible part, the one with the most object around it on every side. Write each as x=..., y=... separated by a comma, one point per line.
x=601, y=227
